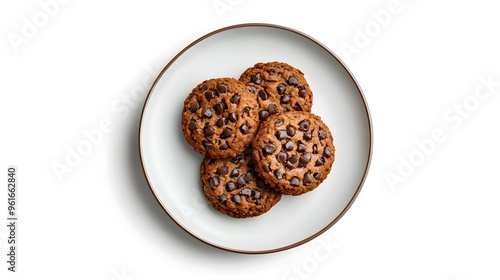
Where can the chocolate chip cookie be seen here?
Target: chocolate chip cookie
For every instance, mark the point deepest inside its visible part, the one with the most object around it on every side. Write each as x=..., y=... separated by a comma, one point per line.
x=220, y=117
x=294, y=152
x=278, y=87
x=233, y=188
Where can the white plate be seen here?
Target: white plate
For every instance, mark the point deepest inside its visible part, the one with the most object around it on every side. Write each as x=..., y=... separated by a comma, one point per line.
x=171, y=167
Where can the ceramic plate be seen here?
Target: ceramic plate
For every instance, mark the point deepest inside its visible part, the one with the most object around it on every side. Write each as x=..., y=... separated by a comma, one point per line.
x=171, y=167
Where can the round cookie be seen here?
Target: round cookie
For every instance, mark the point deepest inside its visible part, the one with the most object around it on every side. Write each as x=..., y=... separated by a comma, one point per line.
x=294, y=152
x=233, y=188
x=220, y=118
x=279, y=87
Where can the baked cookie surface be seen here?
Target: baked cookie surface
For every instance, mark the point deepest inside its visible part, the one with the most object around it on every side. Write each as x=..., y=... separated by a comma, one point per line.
x=279, y=87
x=233, y=188
x=220, y=117
x=293, y=152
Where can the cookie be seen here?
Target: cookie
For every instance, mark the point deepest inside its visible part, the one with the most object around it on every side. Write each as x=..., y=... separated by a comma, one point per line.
x=220, y=118
x=294, y=152
x=233, y=188
x=278, y=87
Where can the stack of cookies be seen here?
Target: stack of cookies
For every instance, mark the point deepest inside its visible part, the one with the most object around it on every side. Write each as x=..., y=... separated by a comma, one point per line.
x=259, y=138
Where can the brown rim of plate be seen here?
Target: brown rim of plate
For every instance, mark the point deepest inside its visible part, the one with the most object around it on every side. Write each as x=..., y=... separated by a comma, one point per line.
x=351, y=201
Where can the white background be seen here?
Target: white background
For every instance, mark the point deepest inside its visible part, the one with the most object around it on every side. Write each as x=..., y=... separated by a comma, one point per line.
x=83, y=63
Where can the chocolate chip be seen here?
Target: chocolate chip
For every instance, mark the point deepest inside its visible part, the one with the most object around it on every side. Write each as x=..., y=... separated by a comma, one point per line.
x=257, y=202
x=297, y=107
x=290, y=164
x=226, y=133
x=207, y=144
x=208, y=131
x=193, y=125
x=317, y=176
x=244, y=129
x=319, y=162
x=271, y=72
x=321, y=134
x=221, y=122
x=224, y=105
x=290, y=130
x=256, y=194
x=222, y=170
x=222, y=88
x=246, y=110
x=256, y=78
x=272, y=109
x=307, y=136
x=236, y=199
x=203, y=88
x=281, y=157
x=327, y=153
x=301, y=147
x=293, y=159
x=315, y=149
x=194, y=107
x=304, y=125
x=304, y=159
x=285, y=99
x=238, y=159
x=230, y=186
x=280, y=134
x=263, y=114
x=252, y=89
x=263, y=94
x=302, y=93
x=269, y=149
x=209, y=95
x=249, y=177
x=213, y=181
x=235, y=173
x=267, y=167
x=207, y=113
x=307, y=178
x=246, y=192
x=224, y=146
x=292, y=81
x=235, y=99
x=222, y=198
x=281, y=89
x=278, y=173
x=289, y=145
x=278, y=121
x=219, y=108
x=233, y=117
x=240, y=182
x=294, y=182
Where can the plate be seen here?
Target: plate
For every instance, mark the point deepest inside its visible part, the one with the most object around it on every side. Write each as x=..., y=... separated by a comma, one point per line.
x=171, y=167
